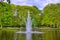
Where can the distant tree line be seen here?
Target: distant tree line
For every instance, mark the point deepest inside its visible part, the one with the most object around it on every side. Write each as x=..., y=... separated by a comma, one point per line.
x=15, y=16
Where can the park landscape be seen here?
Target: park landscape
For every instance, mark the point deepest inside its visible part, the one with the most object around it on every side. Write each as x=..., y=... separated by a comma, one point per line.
x=13, y=18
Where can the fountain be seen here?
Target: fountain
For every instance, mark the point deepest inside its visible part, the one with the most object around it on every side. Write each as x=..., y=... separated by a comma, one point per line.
x=28, y=31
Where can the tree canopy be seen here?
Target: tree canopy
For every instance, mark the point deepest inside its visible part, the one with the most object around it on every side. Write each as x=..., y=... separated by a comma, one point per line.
x=51, y=15
x=15, y=15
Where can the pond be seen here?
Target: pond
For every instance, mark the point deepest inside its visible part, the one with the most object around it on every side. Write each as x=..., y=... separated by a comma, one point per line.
x=49, y=34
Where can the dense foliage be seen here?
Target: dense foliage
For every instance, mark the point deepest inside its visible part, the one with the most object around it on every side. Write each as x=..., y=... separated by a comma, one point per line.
x=51, y=15
x=22, y=15
x=16, y=15
x=6, y=14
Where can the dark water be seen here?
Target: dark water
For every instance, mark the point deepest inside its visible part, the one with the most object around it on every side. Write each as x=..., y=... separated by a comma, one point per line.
x=51, y=35
x=48, y=35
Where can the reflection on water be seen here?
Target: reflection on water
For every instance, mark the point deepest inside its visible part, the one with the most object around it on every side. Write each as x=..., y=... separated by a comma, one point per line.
x=51, y=35
x=48, y=35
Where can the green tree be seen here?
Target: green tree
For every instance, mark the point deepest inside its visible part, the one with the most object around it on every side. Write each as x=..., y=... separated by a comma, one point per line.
x=8, y=17
x=6, y=13
x=34, y=13
x=51, y=15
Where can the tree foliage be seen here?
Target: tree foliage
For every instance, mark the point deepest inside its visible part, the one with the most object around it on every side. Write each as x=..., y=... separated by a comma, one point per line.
x=6, y=13
x=16, y=15
x=34, y=13
x=51, y=15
